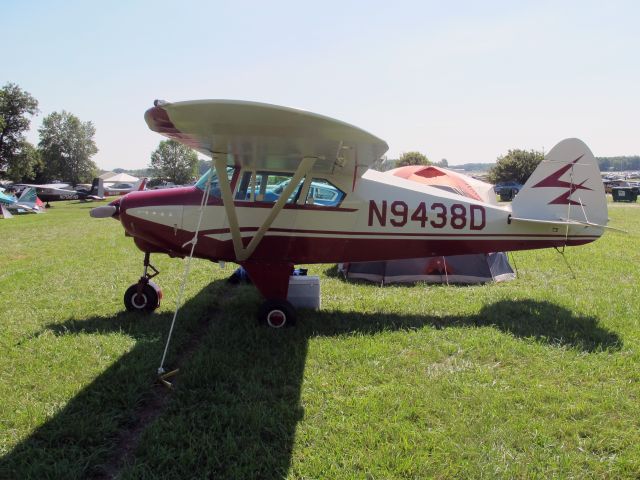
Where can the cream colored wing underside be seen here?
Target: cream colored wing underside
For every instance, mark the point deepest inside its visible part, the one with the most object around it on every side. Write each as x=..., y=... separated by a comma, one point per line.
x=267, y=136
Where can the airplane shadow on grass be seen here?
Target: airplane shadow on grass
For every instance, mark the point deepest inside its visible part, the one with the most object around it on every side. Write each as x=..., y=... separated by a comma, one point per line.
x=236, y=404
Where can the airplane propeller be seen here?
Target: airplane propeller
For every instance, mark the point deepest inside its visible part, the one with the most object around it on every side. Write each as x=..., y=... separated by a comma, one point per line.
x=105, y=211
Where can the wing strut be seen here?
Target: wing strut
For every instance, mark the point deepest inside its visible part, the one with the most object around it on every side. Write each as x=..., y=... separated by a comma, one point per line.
x=227, y=200
x=241, y=252
x=5, y=211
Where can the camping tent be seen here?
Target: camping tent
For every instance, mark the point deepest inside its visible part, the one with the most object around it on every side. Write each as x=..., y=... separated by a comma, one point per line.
x=122, y=178
x=447, y=180
x=474, y=268
x=106, y=176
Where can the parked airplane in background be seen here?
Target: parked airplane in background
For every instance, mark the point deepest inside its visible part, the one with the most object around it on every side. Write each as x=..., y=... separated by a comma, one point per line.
x=28, y=202
x=54, y=193
x=366, y=215
x=124, y=188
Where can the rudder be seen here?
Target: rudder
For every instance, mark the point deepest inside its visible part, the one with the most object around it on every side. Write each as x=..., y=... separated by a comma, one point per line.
x=566, y=186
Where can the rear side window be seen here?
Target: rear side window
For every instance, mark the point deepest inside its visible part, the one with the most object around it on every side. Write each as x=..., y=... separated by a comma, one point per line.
x=323, y=192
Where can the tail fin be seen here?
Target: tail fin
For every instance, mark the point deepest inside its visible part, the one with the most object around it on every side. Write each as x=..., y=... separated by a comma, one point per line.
x=566, y=187
x=97, y=188
x=28, y=197
x=29, y=201
x=142, y=184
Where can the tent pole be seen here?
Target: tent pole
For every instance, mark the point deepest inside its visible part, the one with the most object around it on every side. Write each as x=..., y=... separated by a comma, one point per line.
x=446, y=275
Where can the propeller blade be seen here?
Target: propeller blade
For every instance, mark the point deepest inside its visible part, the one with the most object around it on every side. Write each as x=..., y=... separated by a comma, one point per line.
x=103, y=212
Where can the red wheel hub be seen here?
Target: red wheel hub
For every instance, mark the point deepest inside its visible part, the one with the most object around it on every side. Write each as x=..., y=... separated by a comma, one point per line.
x=276, y=318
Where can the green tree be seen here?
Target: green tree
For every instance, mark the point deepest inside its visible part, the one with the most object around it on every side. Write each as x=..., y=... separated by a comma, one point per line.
x=515, y=166
x=16, y=106
x=67, y=146
x=174, y=162
x=26, y=164
x=412, y=158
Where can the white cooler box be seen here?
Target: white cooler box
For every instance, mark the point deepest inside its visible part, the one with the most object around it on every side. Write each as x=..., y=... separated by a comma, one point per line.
x=304, y=291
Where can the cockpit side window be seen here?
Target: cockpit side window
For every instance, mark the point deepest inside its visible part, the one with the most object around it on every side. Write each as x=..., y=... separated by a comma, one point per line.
x=266, y=186
x=215, y=184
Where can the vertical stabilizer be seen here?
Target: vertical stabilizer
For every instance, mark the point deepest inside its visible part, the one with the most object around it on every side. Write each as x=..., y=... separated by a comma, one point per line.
x=28, y=199
x=566, y=186
x=97, y=188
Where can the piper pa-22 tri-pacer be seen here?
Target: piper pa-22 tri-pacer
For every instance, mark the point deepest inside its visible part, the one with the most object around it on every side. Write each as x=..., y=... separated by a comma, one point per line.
x=258, y=149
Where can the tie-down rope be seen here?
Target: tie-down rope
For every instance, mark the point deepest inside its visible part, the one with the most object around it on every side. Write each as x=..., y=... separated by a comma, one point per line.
x=193, y=242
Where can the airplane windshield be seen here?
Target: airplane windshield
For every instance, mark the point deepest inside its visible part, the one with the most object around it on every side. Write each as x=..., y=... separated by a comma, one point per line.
x=215, y=186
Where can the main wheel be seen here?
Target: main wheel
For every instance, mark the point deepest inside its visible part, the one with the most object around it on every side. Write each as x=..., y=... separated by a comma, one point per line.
x=277, y=314
x=146, y=301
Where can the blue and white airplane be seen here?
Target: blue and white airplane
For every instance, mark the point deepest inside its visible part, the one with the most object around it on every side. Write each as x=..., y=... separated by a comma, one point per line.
x=28, y=202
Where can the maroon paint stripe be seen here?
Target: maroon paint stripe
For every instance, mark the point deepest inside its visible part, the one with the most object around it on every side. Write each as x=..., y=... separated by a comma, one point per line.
x=399, y=234
x=154, y=237
x=386, y=234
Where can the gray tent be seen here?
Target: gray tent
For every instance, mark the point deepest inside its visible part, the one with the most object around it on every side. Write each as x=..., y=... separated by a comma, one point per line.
x=474, y=268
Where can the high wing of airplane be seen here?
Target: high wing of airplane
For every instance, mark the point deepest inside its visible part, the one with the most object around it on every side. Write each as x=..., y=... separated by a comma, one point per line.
x=261, y=206
x=28, y=202
x=54, y=193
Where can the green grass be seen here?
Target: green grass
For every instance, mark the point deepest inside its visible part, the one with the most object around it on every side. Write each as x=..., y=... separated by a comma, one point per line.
x=535, y=378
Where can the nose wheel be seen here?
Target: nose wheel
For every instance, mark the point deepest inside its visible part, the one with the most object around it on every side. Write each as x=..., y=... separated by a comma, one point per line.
x=144, y=296
x=145, y=300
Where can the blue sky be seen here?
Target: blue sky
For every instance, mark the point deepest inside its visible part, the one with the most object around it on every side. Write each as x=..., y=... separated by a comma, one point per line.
x=465, y=81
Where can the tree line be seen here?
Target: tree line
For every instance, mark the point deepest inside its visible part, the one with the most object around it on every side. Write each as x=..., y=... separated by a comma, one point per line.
x=516, y=165
x=619, y=164
x=65, y=148
x=67, y=145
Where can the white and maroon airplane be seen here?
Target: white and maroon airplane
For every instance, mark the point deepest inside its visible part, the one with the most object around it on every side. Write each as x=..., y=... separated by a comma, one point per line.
x=292, y=187
x=124, y=188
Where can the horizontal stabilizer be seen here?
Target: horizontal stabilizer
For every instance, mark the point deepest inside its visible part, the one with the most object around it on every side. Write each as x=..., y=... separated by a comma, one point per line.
x=563, y=221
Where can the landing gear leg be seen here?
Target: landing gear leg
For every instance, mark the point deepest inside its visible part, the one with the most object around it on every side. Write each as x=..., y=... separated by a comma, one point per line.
x=145, y=295
x=272, y=279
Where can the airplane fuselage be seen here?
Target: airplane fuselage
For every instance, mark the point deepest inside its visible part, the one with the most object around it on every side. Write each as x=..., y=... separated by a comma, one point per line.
x=58, y=194
x=382, y=218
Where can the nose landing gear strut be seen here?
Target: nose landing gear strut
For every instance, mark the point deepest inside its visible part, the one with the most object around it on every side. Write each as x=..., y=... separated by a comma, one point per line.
x=145, y=295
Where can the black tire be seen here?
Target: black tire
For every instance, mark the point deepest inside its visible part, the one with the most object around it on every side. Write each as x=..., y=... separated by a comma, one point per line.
x=147, y=301
x=277, y=314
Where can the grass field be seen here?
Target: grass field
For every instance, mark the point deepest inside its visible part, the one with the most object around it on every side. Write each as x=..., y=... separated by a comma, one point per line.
x=535, y=378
